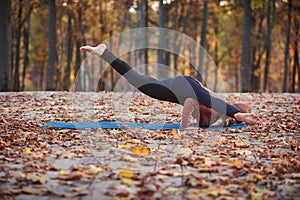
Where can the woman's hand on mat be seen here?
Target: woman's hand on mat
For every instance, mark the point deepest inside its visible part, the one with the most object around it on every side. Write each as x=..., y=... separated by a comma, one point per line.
x=98, y=50
x=248, y=118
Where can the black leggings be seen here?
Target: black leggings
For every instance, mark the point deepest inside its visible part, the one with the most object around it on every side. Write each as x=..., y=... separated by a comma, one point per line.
x=175, y=90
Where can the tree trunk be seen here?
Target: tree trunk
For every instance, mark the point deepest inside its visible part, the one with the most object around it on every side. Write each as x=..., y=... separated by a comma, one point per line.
x=296, y=56
x=18, y=44
x=203, y=41
x=26, y=47
x=245, y=57
x=79, y=41
x=161, y=40
x=257, y=54
x=286, y=49
x=5, y=41
x=268, y=44
x=296, y=65
x=52, y=44
x=237, y=78
x=143, y=22
x=112, y=71
x=66, y=81
x=175, y=47
x=216, y=51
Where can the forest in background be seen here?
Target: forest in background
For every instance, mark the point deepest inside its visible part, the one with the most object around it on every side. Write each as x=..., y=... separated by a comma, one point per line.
x=254, y=43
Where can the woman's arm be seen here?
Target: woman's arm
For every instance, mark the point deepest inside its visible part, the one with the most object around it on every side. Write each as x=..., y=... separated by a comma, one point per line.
x=190, y=107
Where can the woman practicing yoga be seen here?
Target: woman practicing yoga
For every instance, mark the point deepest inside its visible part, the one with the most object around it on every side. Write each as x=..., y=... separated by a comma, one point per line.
x=197, y=100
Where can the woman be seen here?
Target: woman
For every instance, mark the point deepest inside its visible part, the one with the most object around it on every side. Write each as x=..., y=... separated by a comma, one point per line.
x=179, y=89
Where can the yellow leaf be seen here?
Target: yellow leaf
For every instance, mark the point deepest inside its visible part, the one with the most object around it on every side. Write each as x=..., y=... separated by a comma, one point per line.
x=236, y=163
x=115, y=131
x=129, y=158
x=129, y=181
x=258, y=176
x=23, y=175
x=121, y=198
x=208, y=162
x=220, y=142
x=215, y=192
x=176, y=133
x=27, y=150
x=32, y=191
x=68, y=155
x=140, y=150
x=126, y=174
x=132, y=141
x=124, y=146
x=73, y=176
x=93, y=170
x=264, y=120
x=63, y=172
x=240, y=143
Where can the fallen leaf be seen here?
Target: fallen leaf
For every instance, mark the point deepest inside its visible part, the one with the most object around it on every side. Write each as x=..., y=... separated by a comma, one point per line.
x=63, y=172
x=184, y=152
x=140, y=150
x=115, y=131
x=258, y=176
x=208, y=170
x=176, y=133
x=32, y=191
x=124, y=146
x=126, y=157
x=72, y=176
x=126, y=174
x=34, y=178
x=129, y=181
x=240, y=144
x=236, y=163
x=27, y=150
x=93, y=170
x=132, y=141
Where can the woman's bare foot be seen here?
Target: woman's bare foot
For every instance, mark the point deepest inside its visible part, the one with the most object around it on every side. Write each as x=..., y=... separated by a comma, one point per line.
x=248, y=118
x=98, y=50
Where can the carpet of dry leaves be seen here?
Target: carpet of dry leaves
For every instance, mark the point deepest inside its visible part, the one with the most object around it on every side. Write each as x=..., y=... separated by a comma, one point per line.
x=257, y=162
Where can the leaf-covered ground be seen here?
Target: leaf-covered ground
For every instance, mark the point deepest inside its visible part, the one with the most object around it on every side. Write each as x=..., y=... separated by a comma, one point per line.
x=257, y=162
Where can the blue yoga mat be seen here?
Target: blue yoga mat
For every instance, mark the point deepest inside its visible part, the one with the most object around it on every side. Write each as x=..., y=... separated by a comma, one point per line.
x=118, y=125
